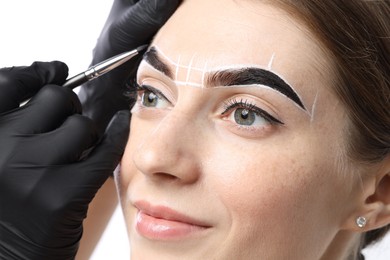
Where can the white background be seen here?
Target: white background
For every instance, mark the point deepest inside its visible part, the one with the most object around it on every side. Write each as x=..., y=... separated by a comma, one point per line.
x=46, y=30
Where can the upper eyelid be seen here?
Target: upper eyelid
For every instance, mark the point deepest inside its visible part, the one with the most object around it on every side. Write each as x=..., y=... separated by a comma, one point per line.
x=159, y=93
x=146, y=70
x=233, y=103
x=147, y=73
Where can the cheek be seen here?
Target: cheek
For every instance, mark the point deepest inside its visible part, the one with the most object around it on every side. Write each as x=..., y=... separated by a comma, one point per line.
x=272, y=196
x=127, y=168
x=249, y=187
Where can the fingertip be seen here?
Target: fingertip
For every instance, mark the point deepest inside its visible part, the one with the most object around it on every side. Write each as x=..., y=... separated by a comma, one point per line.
x=119, y=128
x=115, y=137
x=107, y=154
x=20, y=83
x=147, y=17
x=58, y=98
x=54, y=72
x=157, y=12
x=48, y=109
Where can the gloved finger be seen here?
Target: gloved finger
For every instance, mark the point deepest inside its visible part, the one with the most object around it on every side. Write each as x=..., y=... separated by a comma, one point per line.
x=105, y=157
x=47, y=110
x=139, y=24
x=136, y=26
x=20, y=83
x=64, y=145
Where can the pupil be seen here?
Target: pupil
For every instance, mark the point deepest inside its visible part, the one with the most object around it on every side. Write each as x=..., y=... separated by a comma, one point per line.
x=151, y=98
x=244, y=116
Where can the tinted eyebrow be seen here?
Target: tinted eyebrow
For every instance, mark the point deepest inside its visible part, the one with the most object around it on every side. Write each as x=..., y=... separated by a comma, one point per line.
x=152, y=58
x=252, y=76
x=232, y=77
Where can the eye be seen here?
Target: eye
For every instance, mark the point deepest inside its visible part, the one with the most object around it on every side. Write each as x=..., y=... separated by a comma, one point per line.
x=151, y=97
x=246, y=114
x=243, y=116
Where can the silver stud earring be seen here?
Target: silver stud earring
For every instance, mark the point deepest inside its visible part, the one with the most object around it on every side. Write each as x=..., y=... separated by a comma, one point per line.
x=361, y=222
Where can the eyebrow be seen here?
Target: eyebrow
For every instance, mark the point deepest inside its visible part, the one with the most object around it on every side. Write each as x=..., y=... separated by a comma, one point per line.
x=232, y=77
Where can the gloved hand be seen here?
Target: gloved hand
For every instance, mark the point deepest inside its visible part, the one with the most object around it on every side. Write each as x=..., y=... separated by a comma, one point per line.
x=130, y=23
x=52, y=162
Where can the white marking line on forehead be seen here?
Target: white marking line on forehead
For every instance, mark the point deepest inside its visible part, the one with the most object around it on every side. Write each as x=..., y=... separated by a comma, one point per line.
x=177, y=82
x=189, y=68
x=186, y=83
x=271, y=61
x=204, y=74
x=243, y=66
x=177, y=65
x=204, y=70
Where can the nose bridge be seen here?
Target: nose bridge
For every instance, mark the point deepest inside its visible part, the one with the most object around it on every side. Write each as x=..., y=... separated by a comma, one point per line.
x=170, y=149
x=177, y=127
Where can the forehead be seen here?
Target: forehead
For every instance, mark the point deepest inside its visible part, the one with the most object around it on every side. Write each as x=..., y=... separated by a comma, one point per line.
x=221, y=33
x=232, y=30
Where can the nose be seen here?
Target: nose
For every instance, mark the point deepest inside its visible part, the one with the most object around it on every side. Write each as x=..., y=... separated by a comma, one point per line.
x=171, y=150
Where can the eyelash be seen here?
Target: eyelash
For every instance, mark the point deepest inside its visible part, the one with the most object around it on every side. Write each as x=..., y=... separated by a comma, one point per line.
x=131, y=90
x=228, y=105
x=157, y=92
x=234, y=104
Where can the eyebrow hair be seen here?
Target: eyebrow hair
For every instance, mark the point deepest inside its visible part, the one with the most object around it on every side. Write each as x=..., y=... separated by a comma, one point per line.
x=152, y=58
x=232, y=77
x=252, y=76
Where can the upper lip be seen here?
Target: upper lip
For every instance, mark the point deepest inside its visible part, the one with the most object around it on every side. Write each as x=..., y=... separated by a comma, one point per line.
x=167, y=213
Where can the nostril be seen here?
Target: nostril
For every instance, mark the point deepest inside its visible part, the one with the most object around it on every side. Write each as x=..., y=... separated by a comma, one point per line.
x=165, y=177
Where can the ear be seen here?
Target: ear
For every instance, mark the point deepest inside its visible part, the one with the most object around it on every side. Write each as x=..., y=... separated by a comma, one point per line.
x=374, y=201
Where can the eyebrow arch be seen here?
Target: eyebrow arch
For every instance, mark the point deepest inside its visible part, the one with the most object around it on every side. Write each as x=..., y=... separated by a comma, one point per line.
x=232, y=77
x=252, y=76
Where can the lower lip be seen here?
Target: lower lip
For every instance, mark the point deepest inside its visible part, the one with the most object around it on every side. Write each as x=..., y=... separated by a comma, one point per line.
x=163, y=229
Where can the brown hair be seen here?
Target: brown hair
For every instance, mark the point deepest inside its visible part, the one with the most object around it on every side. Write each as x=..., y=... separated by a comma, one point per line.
x=356, y=33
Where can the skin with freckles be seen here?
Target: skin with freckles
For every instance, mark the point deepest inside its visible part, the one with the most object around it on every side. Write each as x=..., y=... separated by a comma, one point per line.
x=255, y=174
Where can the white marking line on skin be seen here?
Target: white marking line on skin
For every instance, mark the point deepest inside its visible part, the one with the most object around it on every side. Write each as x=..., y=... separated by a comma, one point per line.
x=204, y=74
x=186, y=83
x=243, y=66
x=202, y=85
x=263, y=87
x=313, y=108
x=175, y=64
x=227, y=67
x=177, y=67
x=271, y=61
x=189, y=68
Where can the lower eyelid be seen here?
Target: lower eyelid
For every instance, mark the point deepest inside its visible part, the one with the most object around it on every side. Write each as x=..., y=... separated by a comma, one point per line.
x=260, y=112
x=251, y=132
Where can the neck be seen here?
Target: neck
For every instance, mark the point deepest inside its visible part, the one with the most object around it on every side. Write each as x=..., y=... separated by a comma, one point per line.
x=345, y=246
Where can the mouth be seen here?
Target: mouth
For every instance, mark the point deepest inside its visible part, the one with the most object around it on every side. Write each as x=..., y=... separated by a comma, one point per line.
x=163, y=223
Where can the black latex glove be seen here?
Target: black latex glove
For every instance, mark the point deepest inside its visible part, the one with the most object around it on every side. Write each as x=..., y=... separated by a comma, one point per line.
x=130, y=24
x=52, y=162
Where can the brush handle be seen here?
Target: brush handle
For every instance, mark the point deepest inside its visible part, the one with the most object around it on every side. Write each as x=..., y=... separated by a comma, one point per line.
x=76, y=81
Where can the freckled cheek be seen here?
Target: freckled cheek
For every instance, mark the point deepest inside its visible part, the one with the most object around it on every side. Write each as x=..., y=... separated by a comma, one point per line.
x=250, y=191
x=260, y=193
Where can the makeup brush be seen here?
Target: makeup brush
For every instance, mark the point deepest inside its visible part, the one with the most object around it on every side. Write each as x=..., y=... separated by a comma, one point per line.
x=101, y=68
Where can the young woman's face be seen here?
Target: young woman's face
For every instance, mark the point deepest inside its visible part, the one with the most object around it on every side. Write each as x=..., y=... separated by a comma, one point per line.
x=235, y=140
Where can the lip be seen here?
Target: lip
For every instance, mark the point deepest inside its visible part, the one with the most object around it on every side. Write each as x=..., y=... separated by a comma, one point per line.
x=163, y=223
